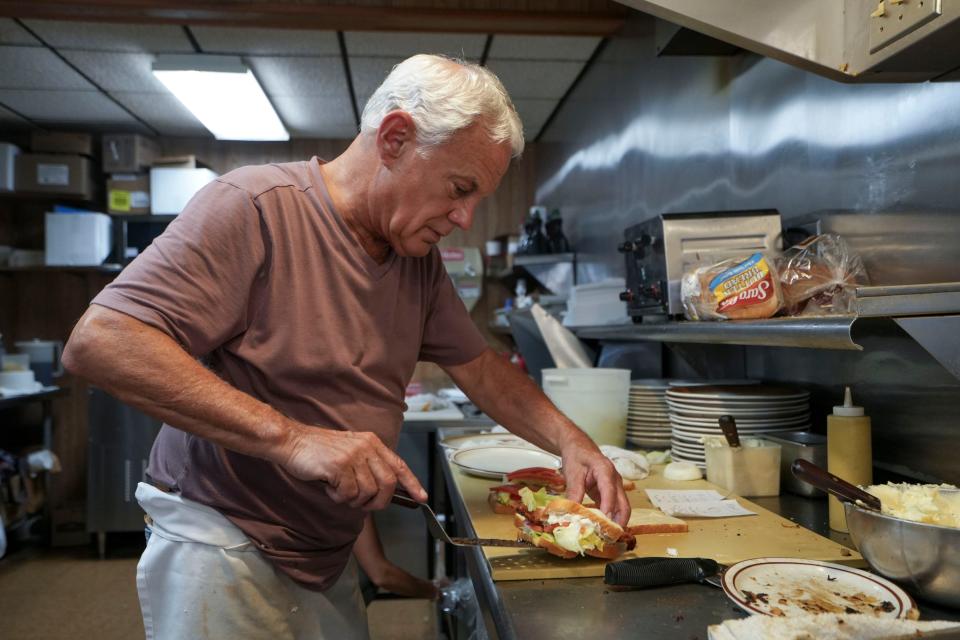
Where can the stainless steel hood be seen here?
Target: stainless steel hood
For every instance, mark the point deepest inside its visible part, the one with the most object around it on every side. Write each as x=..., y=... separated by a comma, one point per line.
x=845, y=40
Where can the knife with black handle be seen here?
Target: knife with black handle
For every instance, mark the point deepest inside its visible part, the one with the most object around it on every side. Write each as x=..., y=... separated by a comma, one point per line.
x=657, y=572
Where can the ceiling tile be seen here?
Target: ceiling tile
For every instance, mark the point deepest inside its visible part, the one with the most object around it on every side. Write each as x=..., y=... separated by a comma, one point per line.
x=300, y=76
x=163, y=112
x=9, y=118
x=468, y=46
x=74, y=107
x=12, y=33
x=368, y=74
x=37, y=68
x=266, y=41
x=534, y=114
x=118, y=71
x=535, y=78
x=542, y=47
x=93, y=36
x=316, y=117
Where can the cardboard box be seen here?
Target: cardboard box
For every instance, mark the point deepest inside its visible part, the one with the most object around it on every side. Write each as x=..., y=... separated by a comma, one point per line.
x=171, y=189
x=61, y=142
x=60, y=174
x=77, y=239
x=127, y=152
x=8, y=161
x=128, y=193
x=177, y=162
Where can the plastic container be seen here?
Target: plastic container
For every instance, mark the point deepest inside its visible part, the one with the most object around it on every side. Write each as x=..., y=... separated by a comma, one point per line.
x=594, y=399
x=751, y=470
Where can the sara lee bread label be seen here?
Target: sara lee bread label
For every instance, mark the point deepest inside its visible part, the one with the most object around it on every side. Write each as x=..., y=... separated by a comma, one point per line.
x=746, y=284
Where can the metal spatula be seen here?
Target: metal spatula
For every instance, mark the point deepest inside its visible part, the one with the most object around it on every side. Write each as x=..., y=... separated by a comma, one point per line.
x=436, y=529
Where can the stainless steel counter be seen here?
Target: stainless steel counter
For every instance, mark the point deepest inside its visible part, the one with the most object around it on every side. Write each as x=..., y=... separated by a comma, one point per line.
x=585, y=607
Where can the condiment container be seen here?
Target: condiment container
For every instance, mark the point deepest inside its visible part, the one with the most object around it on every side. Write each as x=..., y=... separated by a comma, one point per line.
x=849, y=452
x=750, y=470
x=799, y=445
x=596, y=400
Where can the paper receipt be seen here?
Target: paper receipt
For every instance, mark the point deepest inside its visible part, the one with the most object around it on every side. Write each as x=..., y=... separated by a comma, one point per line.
x=696, y=503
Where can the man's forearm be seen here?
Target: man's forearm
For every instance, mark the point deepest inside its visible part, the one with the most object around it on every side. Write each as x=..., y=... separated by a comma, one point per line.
x=512, y=399
x=147, y=369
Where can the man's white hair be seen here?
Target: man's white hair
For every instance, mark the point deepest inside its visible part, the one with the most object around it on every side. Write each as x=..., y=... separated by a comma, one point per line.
x=443, y=96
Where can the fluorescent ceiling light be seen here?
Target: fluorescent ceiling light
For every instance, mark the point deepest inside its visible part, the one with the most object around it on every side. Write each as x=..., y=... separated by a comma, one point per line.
x=223, y=94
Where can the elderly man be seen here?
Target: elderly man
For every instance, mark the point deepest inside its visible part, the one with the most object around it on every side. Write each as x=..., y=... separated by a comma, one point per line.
x=310, y=290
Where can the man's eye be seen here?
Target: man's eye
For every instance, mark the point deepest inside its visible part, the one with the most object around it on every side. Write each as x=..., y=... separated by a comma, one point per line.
x=460, y=191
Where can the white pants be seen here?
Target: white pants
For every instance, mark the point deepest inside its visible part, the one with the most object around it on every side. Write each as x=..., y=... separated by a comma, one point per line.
x=201, y=577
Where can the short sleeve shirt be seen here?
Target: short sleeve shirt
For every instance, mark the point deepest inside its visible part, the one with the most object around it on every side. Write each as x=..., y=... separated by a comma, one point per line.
x=262, y=278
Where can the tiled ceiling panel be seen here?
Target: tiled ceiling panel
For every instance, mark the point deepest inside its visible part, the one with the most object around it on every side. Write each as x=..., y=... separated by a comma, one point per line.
x=163, y=112
x=118, y=71
x=300, y=76
x=534, y=114
x=12, y=33
x=403, y=45
x=536, y=78
x=37, y=68
x=74, y=107
x=513, y=47
x=316, y=117
x=9, y=118
x=368, y=74
x=156, y=38
x=266, y=41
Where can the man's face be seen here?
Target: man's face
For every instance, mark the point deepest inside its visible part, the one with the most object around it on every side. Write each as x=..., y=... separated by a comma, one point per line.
x=424, y=199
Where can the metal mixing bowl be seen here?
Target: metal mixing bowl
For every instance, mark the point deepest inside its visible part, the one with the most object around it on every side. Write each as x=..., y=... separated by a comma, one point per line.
x=923, y=558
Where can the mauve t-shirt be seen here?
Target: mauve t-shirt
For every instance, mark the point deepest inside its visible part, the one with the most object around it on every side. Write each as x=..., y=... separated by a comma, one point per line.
x=262, y=276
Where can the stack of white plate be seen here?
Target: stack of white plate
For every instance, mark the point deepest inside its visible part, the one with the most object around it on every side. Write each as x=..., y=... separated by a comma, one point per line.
x=648, y=419
x=760, y=409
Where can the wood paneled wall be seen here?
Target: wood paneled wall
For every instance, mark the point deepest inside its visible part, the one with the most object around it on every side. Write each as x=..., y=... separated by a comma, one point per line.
x=46, y=304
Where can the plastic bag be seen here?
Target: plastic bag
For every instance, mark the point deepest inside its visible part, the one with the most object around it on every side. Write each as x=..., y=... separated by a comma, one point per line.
x=742, y=288
x=819, y=275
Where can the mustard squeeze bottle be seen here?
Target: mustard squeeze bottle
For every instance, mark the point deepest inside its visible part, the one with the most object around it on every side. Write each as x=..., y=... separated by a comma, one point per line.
x=849, y=452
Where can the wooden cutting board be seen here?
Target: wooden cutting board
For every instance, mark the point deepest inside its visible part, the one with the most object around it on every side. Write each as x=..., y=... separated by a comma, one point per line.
x=726, y=540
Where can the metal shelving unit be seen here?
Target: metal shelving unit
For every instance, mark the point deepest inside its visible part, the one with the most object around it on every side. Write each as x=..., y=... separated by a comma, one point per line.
x=929, y=313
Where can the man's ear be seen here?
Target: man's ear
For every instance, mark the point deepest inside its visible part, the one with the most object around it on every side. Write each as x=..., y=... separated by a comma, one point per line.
x=396, y=135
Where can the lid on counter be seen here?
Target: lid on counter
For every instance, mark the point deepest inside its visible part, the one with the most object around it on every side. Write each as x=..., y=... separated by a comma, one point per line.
x=848, y=409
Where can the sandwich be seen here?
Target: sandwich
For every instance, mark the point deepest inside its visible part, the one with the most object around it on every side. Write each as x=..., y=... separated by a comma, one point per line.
x=537, y=477
x=512, y=498
x=568, y=529
x=542, y=483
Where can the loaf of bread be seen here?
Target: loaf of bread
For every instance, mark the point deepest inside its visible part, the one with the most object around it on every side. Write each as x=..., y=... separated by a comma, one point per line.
x=746, y=288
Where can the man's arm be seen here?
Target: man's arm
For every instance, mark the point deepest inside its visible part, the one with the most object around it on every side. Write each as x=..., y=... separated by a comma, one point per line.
x=369, y=553
x=511, y=398
x=147, y=369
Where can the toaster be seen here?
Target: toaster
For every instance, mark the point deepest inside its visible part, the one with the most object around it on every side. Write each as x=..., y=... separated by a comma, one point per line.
x=658, y=252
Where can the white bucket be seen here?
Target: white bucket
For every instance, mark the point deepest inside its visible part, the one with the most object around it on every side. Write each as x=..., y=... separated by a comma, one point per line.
x=594, y=399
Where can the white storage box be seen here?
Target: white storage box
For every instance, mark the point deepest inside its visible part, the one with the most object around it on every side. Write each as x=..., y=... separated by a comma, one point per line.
x=172, y=188
x=77, y=239
x=598, y=303
x=8, y=161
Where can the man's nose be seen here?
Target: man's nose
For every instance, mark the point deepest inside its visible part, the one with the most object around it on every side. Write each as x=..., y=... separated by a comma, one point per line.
x=463, y=216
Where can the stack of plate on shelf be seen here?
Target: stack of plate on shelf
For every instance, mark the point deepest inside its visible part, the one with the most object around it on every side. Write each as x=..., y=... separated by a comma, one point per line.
x=648, y=419
x=758, y=409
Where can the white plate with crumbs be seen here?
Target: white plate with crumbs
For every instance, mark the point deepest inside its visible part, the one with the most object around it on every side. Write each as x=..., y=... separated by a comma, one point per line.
x=494, y=462
x=794, y=587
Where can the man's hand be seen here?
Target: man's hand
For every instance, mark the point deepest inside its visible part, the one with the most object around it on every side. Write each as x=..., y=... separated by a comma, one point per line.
x=586, y=470
x=357, y=467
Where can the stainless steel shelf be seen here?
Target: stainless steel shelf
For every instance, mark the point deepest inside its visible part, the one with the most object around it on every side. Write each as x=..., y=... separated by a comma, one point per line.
x=829, y=332
x=545, y=258
x=908, y=300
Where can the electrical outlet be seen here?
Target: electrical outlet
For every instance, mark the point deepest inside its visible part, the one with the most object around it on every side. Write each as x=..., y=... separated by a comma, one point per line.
x=890, y=20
